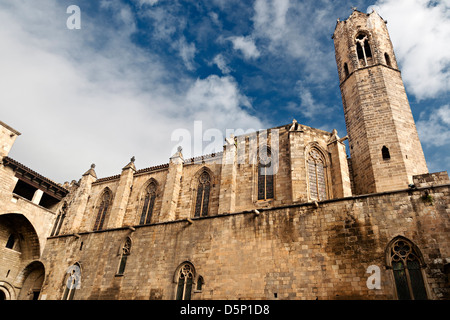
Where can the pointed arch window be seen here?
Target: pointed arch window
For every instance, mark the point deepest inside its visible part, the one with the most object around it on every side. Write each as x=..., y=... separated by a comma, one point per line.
x=185, y=279
x=316, y=176
x=404, y=258
x=149, y=204
x=59, y=220
x=203, y=191
x=124, y=253
x=363, y=49
x=265, y=176
x=102, y=210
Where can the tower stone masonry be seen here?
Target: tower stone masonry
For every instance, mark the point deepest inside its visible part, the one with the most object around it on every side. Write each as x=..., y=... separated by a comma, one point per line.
x=384, y=145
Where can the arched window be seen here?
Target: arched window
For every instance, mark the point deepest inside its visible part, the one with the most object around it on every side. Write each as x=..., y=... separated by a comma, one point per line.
x=316, y=176
x=200, y=283
x=124, y=253
x=346, y=72
x=185, y=279
x=388, y=59
x=59, y=220
x=385, y=153
x=203, y=190
x=265, y=176
x=404, y=258
x=102, y=210
x=363, y=49
x=149, y=203
x=73, y=281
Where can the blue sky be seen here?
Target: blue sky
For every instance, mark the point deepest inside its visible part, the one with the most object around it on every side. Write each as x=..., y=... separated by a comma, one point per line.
x=139, y=74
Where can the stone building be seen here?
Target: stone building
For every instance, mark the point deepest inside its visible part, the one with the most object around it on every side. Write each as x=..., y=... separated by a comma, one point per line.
x=279, y=214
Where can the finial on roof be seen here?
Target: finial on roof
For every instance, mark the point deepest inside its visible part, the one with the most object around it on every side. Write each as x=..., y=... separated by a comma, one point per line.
x=131, y=164
x=177, y=155
x=91, y=171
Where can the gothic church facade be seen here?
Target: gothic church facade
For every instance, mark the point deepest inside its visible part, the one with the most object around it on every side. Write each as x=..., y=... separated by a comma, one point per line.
x=279, y=214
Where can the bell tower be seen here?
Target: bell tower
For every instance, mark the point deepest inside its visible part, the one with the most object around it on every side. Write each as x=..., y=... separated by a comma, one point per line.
x=384, y=145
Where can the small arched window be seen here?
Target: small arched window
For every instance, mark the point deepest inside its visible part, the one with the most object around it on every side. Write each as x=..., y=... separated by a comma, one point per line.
x=185, y=279
x=404, y=258
x=200, y=283
x=385, y=153
x=203, y=190
x=346, y=72
x=388, y=60
x=316, y=176
x=149, y=203
x=124, y=253
x=265, y=176
x=102, y=210
x=59, y=220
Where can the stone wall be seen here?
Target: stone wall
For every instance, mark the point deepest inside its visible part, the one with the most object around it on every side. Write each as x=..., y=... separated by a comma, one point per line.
x=291, y=252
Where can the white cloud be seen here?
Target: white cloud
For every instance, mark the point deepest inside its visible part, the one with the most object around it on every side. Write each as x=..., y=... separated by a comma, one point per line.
x=435, y=129
x=221, y=63
x=187, y=52
x=308, y=106
x=294, y=30
x=147, y=2
x=425, y=57
x=246, y=45
x=270, y=18
x=92, y=96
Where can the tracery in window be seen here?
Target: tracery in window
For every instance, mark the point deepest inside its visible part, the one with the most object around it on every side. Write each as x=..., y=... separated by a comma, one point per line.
x=149, y=204
x=406, y=266
x=59, y=220
x=185, y=278
x=363, y=50
x=265, y=176
x=316, y=176
x=203, y=191
x=102, y=210
x=124, y=253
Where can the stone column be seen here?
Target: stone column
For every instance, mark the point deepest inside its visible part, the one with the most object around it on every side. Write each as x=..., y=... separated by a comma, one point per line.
x=297, y=162
x=75, y=213
x=172, y=187
x=122, y=195
x=227, y=196
x=340, y=175
x=37, y=196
